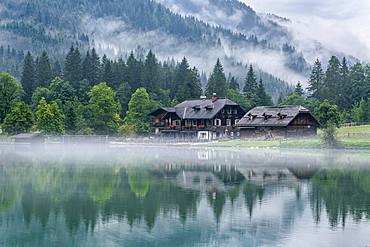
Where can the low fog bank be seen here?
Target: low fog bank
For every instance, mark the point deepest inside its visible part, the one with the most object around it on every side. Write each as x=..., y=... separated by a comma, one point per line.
x=171, y=154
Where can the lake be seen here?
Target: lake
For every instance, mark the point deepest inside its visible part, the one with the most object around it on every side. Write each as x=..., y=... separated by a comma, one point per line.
x=182, y=196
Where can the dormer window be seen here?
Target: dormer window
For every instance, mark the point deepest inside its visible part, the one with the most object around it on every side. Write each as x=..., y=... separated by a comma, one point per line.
x=281, y=116
x=266, y=116
x=196, y=107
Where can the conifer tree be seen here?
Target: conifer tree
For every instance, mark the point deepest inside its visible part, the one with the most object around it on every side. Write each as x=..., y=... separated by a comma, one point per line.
x=72, y=67
x=43, y=70
x=107, y=73
x=263, y=99
x=217, y=81
x=133, y=72
x=345, y=87
x=181, y=90
x=315, y=84
x=150, y=74
x=299, y=89
x=358, y=85
x=251, y=87
x=28, y=77
x=332, y=81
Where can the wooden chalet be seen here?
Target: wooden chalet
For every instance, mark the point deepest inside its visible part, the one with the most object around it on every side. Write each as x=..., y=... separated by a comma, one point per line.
x=278, y=122
x=204, y=119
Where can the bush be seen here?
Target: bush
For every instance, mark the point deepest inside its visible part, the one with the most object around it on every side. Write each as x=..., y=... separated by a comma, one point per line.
x=330, y=136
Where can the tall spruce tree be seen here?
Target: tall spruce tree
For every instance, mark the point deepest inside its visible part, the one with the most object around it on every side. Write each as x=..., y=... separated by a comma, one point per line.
x=332, y=81
x=72, y=67
x=107, y=73
x=299, y=89
x=28, y=77
x=315, y=84
x=181, y=90
x=251, y=86
x=263, y=99
x=358, y=83
x=43, y=71
x=133, y=72
x=345, y=86
x=150, y=74
x=217, y=81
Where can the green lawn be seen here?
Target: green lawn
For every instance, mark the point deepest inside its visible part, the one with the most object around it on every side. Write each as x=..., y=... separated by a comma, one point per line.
x=357, y=137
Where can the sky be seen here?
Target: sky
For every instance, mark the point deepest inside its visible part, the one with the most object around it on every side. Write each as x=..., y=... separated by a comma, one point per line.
x=343, y=25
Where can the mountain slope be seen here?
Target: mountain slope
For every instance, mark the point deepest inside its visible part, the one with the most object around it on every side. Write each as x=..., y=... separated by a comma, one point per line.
x=115, y=27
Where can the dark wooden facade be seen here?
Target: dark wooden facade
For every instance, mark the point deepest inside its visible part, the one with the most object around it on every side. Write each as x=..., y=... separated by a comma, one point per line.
x=203, y=119
x=278, y=122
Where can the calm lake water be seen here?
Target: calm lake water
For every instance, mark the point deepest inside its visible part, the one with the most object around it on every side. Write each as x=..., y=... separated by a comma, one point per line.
x=168, y=196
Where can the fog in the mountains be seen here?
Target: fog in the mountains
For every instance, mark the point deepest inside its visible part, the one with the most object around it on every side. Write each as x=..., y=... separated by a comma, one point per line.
x=113, y=37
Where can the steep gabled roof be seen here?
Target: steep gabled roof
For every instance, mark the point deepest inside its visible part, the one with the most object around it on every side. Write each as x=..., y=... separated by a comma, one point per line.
x=198, y=108
x=201, y=108
x=272, y=116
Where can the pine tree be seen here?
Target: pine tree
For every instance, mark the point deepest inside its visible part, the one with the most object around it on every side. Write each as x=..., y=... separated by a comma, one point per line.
x=263, y=99
x=358, y=85
x=57, y=70
x=70, y=117
x=28, y=77
x=217, y=81
x=43, y=71
x=332, y=81
x=298, y=89
x=133, y=72
x=95, y=66
x=316, y=81
x=345, y=86
x=107, y=73
x=150, y=74
x=195, y=86
x=251, y=87
x=181, y=89
x=72, y=67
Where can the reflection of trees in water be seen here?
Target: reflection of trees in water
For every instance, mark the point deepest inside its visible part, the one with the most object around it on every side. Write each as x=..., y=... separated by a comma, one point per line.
x=343, y=194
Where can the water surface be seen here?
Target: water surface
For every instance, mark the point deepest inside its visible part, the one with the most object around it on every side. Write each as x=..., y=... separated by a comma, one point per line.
x=168, y=196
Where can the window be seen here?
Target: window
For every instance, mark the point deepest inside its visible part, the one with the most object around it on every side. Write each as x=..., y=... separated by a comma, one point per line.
x=223, y=110
x=237, y=121
x=232, y=134
x=235, y=111
x=177, y=123
x=218, y=122
x=229, y=110
x=194, y=123
x=228, y=122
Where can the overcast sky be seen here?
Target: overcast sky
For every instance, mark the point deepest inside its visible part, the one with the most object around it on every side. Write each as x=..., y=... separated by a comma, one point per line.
x=343, y=25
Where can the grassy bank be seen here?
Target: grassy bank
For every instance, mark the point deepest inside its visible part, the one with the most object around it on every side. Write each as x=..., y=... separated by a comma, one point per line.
x=357, y=137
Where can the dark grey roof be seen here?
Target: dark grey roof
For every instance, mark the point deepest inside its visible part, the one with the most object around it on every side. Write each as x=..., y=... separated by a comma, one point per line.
x=201, y=108
x=197, y=109
x=271, y=116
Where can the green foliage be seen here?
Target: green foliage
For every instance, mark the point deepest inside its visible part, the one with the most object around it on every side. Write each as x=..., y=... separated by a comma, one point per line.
x=28, y=77
x=238, y=97
x=104, y=109
x=316, y=81
x=293, y=99
x=38, y=94
x=62, y=91
x=217, y=81
x=362, y=112
x=11, y=92
x=43, y=71
x=263, y=99
x=49, y=118
x=251, y=87
x=19, y=120
x=327, y=114
x=139, y=108
x=299, y=89
x=329, y=136
x=72, y=67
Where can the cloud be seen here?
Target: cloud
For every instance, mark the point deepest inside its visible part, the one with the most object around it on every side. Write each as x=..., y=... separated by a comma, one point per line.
x=339, y=25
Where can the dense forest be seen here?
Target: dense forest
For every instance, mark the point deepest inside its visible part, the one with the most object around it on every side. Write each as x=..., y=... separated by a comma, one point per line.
x=88, y=94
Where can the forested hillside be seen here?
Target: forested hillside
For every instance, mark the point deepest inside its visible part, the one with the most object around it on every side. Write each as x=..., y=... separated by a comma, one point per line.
x=116, y=27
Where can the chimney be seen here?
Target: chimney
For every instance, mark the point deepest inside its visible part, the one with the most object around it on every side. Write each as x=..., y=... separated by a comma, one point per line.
x=214, y=98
